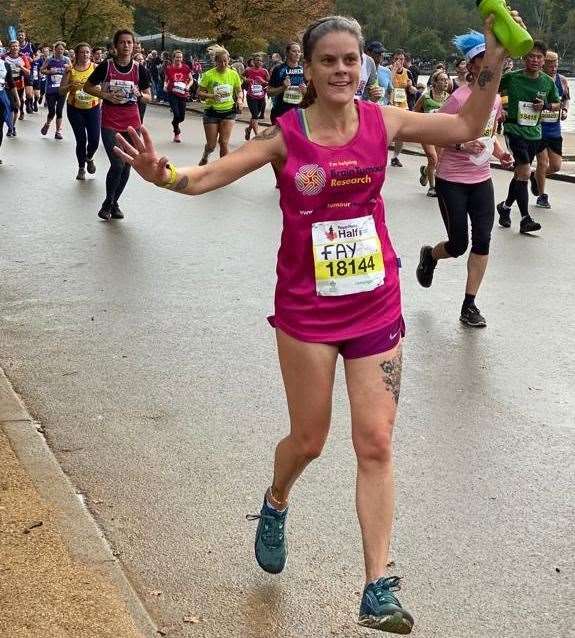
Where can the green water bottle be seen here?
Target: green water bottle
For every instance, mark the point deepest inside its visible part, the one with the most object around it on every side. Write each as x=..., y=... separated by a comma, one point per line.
x=509, y=33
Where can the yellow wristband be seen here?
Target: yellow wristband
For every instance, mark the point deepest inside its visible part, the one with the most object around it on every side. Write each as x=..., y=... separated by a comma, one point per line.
x=173, y=177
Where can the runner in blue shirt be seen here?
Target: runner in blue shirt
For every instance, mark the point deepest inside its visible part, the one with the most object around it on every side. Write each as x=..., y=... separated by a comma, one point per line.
x=376, y=50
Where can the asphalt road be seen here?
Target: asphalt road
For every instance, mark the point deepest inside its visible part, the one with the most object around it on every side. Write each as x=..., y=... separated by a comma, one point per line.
x=142, y=347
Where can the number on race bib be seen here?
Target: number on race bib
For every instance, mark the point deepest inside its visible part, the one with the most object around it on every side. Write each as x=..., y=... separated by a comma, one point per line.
x=526, y=114
x=347, y=256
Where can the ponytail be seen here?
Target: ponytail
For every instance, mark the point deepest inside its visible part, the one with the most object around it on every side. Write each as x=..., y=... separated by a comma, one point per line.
x=309, y=97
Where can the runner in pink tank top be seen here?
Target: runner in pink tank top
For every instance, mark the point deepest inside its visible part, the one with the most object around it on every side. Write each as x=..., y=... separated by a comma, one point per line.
x=338, y=288
x=337, y=270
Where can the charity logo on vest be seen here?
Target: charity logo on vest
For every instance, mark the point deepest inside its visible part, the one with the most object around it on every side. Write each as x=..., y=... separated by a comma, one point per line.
x=310, y=179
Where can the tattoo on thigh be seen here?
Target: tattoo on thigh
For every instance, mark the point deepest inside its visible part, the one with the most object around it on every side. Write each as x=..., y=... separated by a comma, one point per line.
x=392, y=375
x=268, y=133
x=485, y=77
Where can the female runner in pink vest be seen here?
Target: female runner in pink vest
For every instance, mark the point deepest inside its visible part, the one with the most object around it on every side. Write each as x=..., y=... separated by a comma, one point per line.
x=338, y=287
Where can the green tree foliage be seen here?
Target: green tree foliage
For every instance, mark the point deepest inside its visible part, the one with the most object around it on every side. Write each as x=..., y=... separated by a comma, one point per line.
x=426, y=27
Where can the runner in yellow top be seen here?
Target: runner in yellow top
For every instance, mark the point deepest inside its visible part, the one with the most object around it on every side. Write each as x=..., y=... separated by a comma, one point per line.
x=402, y=85
x=221, y=88
x=83, y=109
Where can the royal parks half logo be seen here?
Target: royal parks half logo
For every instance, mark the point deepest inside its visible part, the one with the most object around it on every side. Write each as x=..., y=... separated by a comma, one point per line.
x=310, y=179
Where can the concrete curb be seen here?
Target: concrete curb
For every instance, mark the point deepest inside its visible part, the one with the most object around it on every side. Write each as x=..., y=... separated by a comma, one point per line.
x=80, y=532
x=562, y=177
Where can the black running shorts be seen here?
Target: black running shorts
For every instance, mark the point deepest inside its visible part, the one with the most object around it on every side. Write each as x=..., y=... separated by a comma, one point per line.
x=554, y=144
x=523, y=151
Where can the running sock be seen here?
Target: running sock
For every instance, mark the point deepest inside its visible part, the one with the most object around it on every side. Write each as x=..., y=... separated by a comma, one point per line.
x=468, y=301
x=273, y=507
x=511, y=193
x=522, y=197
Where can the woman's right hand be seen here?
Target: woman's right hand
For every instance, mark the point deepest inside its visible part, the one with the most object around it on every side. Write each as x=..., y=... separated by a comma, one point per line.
x=142, y=155
x=112, y=97
x=475, y=147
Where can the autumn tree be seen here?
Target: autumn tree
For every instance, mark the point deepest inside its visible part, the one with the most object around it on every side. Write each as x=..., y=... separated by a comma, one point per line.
x=245, y=23
x=71, y=20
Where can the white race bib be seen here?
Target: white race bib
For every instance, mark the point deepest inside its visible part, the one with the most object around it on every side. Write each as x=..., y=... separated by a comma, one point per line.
x=123, y=89
x=56, y=79
x=292, y=95
x=180, y=88
x=35, y=73
x=490, y=126
x=550, y=117
x=257, y=90
x=223, y=93
x=83, y=99
x=526, y=114
x=347, y=256
x=399, y=97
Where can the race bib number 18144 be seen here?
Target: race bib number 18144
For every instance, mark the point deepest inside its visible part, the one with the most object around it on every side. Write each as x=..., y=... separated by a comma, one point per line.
x=347, y=256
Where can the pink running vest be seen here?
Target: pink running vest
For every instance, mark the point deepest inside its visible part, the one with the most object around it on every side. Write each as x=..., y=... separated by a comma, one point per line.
x=333, y=184
x=119, y=117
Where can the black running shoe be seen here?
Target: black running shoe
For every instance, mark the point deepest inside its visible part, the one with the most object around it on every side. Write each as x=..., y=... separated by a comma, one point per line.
x=105, y=212
x=529, y=225
x=426, y=266
x=90, y=166
x=543, y=201
x=534, y=185
x=504, y=215
x=471, y=316
x=116, y=212
x=395, y=162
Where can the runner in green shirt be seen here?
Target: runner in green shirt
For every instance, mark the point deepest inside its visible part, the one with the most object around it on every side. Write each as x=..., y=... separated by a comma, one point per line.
x=528, y=90
x=221, y=88
x=432, y=100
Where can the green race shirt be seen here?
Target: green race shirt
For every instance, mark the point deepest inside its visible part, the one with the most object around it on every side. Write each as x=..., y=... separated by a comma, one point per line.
x=223, y=85
x=521, y=91
x=430, y=105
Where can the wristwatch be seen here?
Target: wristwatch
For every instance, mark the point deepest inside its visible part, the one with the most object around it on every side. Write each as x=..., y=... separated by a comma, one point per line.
x=458, y=147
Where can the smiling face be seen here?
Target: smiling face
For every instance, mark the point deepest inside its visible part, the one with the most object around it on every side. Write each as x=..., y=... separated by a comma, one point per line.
x=178, y=58
x=335, y=67
x=14, y=49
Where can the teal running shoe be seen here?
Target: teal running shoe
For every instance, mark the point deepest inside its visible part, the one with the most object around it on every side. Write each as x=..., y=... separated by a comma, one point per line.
x=271, y=545
x=381, y=610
